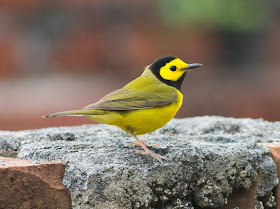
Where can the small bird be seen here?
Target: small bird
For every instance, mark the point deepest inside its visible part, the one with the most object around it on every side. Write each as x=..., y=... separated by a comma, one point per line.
x=143, y=105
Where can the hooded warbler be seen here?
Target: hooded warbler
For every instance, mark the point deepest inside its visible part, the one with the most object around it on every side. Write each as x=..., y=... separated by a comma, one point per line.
x=143, y=105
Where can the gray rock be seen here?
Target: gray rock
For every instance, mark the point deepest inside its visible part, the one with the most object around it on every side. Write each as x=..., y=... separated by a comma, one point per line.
x=209, y=157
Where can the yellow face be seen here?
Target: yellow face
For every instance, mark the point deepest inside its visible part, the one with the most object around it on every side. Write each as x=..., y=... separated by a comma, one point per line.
x=173, y=70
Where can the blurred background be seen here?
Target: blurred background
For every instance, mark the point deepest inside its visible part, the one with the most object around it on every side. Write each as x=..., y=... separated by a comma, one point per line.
x=60, y=55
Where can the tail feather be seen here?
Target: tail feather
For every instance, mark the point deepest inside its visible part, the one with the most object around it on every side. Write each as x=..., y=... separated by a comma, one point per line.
x=71, y=113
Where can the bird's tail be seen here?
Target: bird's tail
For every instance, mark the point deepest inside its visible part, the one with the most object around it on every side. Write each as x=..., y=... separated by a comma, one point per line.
x=73, y=113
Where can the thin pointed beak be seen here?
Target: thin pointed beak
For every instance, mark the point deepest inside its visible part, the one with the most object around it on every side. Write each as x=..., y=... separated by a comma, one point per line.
x=192, y=66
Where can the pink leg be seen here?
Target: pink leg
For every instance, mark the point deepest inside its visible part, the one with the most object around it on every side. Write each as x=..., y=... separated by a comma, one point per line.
x=137, y=144
x=147, y=151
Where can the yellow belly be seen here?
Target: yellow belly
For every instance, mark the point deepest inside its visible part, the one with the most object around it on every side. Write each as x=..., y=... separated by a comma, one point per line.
x=140, y=121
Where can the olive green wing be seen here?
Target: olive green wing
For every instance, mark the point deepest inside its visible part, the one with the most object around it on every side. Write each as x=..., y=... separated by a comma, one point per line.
x=128, y=99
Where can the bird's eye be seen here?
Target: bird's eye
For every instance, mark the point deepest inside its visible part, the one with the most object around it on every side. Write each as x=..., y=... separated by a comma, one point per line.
x=173, y=68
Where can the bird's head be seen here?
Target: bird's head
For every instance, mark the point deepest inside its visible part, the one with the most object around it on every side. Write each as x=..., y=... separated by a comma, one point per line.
x=171, y=70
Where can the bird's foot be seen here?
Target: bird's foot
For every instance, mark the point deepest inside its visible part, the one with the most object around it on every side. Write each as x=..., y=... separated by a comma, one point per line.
x=156, y=156
x=147, y=151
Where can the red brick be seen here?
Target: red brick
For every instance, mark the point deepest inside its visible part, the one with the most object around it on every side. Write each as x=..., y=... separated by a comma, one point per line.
x=20, y=6
x=79, y=50
x=8, y=62
x=275, y=152
x=242, y=198
x=24, y=184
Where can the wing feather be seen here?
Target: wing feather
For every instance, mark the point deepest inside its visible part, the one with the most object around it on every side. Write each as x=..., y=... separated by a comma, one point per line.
x=129, y=99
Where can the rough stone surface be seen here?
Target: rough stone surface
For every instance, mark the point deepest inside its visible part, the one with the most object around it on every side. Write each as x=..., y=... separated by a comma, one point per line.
x=25, y=185
x=209, y=158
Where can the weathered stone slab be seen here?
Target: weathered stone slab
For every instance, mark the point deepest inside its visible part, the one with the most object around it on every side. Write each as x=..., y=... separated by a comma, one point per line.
x=210, y=158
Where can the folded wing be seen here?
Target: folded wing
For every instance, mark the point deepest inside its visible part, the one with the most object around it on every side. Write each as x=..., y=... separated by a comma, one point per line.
x=128, y=99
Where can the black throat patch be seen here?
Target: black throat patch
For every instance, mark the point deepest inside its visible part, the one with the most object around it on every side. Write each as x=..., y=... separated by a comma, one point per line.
x=155, y=68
